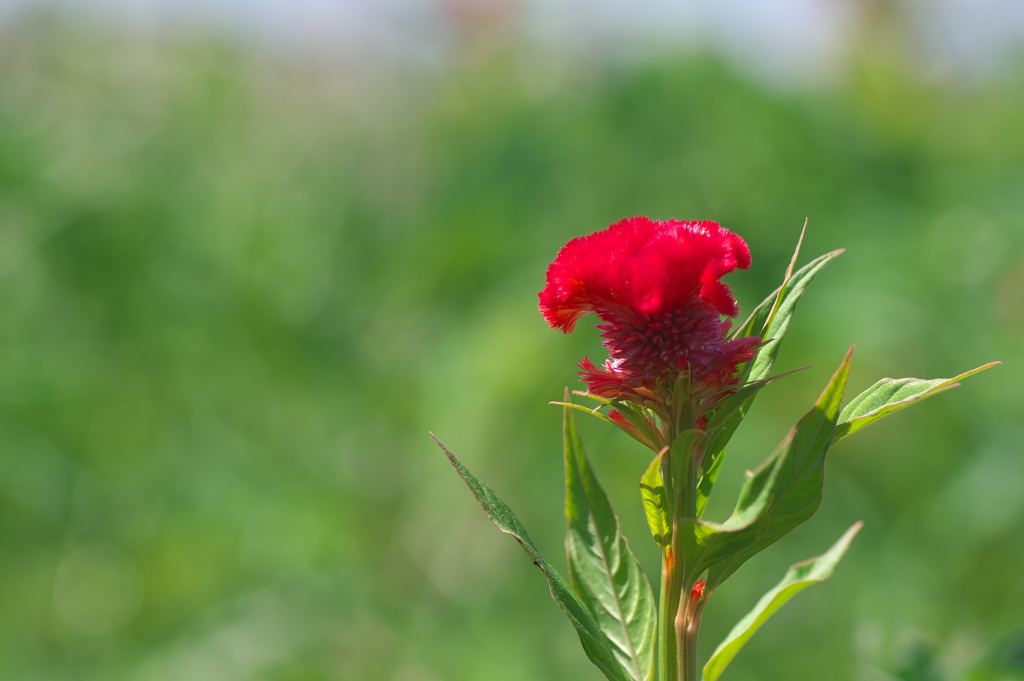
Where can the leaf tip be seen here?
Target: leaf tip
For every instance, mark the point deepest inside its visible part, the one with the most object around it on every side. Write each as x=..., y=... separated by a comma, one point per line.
x=451, y=457
x=847, y=538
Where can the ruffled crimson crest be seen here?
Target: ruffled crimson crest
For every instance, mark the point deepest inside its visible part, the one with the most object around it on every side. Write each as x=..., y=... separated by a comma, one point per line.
x=656, y=288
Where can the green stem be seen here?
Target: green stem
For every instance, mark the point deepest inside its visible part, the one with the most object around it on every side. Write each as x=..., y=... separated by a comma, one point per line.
x=687, y=612
x=671, y=582
x=679, y=614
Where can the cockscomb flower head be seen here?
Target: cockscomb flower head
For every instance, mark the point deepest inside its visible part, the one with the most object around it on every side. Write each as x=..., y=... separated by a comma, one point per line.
x=656, y=287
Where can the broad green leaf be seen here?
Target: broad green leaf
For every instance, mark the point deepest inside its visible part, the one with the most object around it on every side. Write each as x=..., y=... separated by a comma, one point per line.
x=783, y=492
x=602, y=569
x=799, y=577
x=596, y=645
x=656, y=503
x=890, y=395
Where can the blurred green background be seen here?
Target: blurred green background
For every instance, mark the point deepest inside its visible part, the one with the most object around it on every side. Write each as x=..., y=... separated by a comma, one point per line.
x=238, y=286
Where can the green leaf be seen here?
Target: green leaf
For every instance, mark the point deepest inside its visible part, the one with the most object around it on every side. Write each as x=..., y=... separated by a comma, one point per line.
x=787, y=276
x=771, y=319
x=729, y=405
x=783, y=492
x=603, y=571
x=587, y=410
x=596, y=645
x=656, y=503
x=710, y=467
x=799, y=577
x=639, y=419
x=890, y=395
x=724, y=420
x=646, y=433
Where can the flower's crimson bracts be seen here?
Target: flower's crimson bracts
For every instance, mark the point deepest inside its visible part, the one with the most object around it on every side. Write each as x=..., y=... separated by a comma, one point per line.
x=656, y=288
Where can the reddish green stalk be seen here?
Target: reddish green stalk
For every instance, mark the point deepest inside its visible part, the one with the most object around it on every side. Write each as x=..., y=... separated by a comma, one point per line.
x=687, y=626
x=669, y=603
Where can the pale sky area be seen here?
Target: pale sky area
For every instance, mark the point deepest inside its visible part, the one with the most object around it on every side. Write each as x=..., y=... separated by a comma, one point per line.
x=779, y=38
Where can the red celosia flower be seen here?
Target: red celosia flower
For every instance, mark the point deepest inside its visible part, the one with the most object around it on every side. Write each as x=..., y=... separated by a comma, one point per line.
x=656, y=287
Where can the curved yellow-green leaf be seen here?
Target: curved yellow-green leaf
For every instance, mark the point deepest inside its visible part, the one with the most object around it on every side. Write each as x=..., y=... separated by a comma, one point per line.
x=656, y=504
x=890, y=395
x=798, y=578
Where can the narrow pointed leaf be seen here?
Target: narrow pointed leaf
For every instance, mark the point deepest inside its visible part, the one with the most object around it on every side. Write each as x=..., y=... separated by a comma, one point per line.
x=596, y=645
x=799, y=577
x=725, y=408
x=645, y=432
x=638, y=419
x=782, y=493
x=770, y=319
x=773, y=327
x=787, y=277
x=585, y=410
x=656, y=504
x=709, y=470
x=602, y=569
x=890, y=395
x=720, y=427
